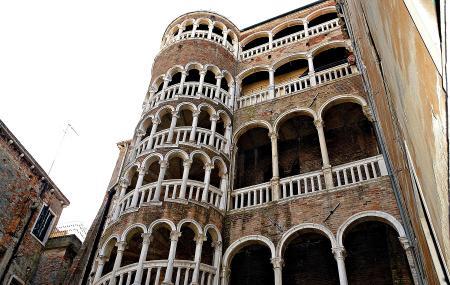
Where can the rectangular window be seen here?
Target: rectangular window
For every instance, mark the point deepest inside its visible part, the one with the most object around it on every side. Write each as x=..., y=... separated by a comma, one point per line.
x=43, y=224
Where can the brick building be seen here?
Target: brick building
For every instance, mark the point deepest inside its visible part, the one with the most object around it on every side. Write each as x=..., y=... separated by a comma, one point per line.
x=261, y=157
x=33, y=203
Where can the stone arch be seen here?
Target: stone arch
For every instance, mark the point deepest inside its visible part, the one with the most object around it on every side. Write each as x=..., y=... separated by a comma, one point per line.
x=217, y=236
x=104, y=250
x=196, y=227
x=158, y=81
x=176, y=153
x=174, y=69
x=194, y=65
x=255, y=36
x=311, y=226
x=286, y=24
x=288, y=58
x=338, y=100
x=246, y=240
x=206, y=21
x=190, y=21
x=211, y=111
x=250, y=125
x=329, y=45
x=319, y=12
x=224, y=116
x=203, y=156
x=223, y=166
x=131, y=228
x=284, y=116
x=128, y=172
x=214, y=69
x=190, y=106
x=252, y=70
x=368, y=216
x=143, y=124
x=166, y=222
x=164, y=110
x=227, y=75
x=151, y=158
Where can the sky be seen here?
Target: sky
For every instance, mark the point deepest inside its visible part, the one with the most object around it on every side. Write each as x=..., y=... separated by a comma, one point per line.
x=88, y=63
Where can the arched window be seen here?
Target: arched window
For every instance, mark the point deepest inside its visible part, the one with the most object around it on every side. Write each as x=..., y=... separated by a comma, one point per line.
x=176, y=78
x=322, y=19
x=133, y=247
x=330, y=58
x=251, y=265
x=289, y=30
x=255, y=42
x=255, y=82
x=186, y=243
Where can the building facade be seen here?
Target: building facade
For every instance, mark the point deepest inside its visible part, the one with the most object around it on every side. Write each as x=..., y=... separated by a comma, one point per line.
x=31, y=205
x=256, y=160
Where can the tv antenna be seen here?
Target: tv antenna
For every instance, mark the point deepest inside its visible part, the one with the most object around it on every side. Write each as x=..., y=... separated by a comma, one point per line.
x=68, y=128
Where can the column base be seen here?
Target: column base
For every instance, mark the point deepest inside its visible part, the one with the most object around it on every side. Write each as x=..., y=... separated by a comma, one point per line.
x=166, y=283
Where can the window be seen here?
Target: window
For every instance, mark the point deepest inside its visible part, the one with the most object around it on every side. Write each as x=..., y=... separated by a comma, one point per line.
x=43, y=224
x=15, y=281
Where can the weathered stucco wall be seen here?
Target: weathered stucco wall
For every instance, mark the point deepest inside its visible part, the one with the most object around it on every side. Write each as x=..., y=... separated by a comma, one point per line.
x=410, y=107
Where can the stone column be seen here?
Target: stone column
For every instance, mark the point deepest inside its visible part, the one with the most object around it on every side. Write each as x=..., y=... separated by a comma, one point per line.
x=228, y=131
x=120, y=249
x=194, y=29
x=100, y=264
x=180, y=30
x=236, y=48
x=174, y=235
x=275, y=181
x=270, y=40
x=210, y=28
x=339, y=255
x=218, y=83
x=194, y=126
x=225, y=35
x=151, y=94
x=326, y=167
x=139, y=134
x=277, y=263
x=231, y=90
x=208, y=168
x=182, y=80
x=155, y=123
x=162, y=172
x=223, y=189
x=311, y=74
x=167, y=80
x=224, y=275
x=213, y=119
x=142, y=172
x=271, y=83
x=410, y=257
x=197, y=258
x=146, y=238
x=173, y=123
x=186, y=167
x=200, y=83
x=305, y=26
x=123, y=184
x=217, y=245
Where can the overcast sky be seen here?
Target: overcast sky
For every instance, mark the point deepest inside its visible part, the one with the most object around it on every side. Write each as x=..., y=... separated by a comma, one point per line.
x=88, y=62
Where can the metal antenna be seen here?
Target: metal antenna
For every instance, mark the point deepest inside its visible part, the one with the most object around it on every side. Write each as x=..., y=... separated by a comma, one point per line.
x=68, y=126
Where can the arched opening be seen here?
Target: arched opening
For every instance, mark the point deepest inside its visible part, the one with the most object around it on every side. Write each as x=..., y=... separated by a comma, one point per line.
x=160, y=86
x=176, y=78
x=254, y=158
x=147, y=127
x=158, y=250
x=210, y=77
x=374, y=253
x=322, y=19
x=308, y=259
x=221, y=122
x=298, y=146
x=193, y=76
x=216, y=174
x=133, y=247
x=330, y=58
x=349, y=134
x=151, y=176
x=252, y=265
x=186, y=243
x=256, y=42
x=133, y=175
x=197, y=170
x=289, y=30
x=204, y=118
x=208, y=247
x=217, y=30
x=255, y=82
x=165, y=120
x=224, y=84
x=175, y=169
x=184, y=117
x=188, y=28
x=202, y=27
x=111, y=253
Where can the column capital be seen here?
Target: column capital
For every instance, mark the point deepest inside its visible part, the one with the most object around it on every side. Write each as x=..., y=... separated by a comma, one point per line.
x=175, y=114
x=318, y=123
x=164, y=164
x=220, y=76
x=156, y=121
x=273, y=135
x=140, y=133
x=142, y=170
x=124, y=182
x=199, y=239
x=309, y=55
x=208, y=166
x=196, y=113
x=405, y=242
x=174, y=235
x=121, y=245
x=216, y=244
x=224, y=272
x=184, y=72
x=151, y=89
x=167, y=78
x=146, y=237
x=187, y=163
x=338, y=252
x=203, y=72
x=214, y=117
x=101, y=259
x=277, y=262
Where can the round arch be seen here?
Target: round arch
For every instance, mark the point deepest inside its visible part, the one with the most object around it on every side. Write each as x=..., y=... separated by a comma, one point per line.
x=255, y=36
x=203, y=156
x=240, y=243
x=197, y=228
x=311, y=226
x=164, y=110
x=151, y=158
x=369, y=216
x=132, y=227
x=217, y=236
x=186, y=105
x=176, y=153
x=319, y=12
x=174, y=69
x=286, y=24
x=252, y=70
x=289, y=58
x=166, y=222
x=193, y=65
x=287, y=114
x=336, y=100
x=222, y=164
x=329, y=45
x=251, y=125
x=103, y=249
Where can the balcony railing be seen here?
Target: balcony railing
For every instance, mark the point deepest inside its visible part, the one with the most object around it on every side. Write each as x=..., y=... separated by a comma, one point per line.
x=201, y=34
x=292, y=38
x=298, y=85
x=181, y=135
x=190, y=89
x=303, y=184
x=154, y=271
x=170, y=190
